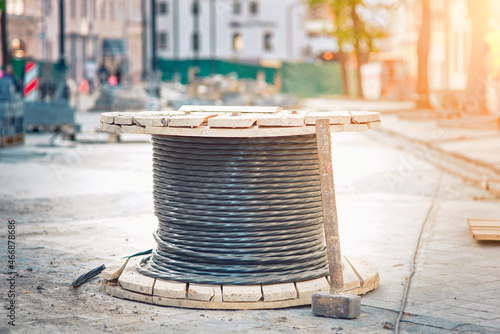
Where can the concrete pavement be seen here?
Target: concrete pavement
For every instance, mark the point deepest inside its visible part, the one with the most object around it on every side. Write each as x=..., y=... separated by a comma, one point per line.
x=79, y=205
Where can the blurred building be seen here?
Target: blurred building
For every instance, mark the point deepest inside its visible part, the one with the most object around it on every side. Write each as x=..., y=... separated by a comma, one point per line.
x=103, y=31
x=250, y=31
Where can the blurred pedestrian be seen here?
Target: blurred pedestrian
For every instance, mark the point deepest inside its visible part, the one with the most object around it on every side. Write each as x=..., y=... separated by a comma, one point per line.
x=9, y=73
x=103, y=74
x=90, y=74
x=119, y=74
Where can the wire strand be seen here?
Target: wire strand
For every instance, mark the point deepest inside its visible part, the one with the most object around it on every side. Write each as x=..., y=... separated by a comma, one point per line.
x=237, y=210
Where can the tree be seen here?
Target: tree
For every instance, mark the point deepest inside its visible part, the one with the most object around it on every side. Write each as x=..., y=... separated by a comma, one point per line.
x=353, y=32
x=476, y=92
x=423, y=57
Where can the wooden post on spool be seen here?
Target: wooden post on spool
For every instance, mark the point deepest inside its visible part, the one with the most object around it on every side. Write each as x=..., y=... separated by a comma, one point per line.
x=335, y=304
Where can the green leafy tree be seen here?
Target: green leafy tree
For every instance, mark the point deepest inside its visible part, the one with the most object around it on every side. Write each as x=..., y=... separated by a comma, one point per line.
x=353, y=32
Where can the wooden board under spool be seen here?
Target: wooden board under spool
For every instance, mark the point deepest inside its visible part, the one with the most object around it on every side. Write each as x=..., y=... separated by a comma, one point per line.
x=227, y=122
x=122, y=280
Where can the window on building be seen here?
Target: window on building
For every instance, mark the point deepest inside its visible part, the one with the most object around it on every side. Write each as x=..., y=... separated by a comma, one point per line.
x=15, y=7
x=237, y=7
x=111, y=10
x=163, y=40
x=254, y=7
x=84, y=8
x=94, y=9
x=163, y=8
x=268, y=41
x=72, y=8
x=237, y=42
x=196, y=41
x=195, y=8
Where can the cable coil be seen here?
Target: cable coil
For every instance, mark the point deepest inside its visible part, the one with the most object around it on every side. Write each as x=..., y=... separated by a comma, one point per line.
x=237, y=210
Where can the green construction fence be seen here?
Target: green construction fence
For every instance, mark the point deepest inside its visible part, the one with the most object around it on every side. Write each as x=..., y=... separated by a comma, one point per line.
x=300, y=79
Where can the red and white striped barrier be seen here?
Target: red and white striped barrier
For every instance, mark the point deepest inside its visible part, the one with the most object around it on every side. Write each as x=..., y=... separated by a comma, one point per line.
x=30, y=89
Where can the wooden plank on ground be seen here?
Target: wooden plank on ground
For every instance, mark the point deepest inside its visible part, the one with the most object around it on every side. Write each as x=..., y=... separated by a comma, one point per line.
x=283, y=118
x=241, y=293
x=114, y=270
x=131, y=280
x=239, y=109
x=233, y=121
x=335, y=117
x=485, y=229
x=282, y=291
x=209, y=293
x=169, y=289
x=190, y=120
x=364, y=116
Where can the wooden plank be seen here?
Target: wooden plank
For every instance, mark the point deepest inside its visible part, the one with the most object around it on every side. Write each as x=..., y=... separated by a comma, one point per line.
x=488, y=223
x=134, y=129
x=115, y=290
x=306, y=289
x=170, y=289
x=364, y=116
x=233, y=121
x=283, y=118
x=113, y=128
x=132, y=280
x=253, y=132
x=366, y=271
x=109, y=117
x=486, y=234
x=191, y=120
x=239, y=109
x=124, y=119
x=241, y=293
x=374, y=125
x=209, y=293
x=282, y=291
x=351, y=280
x=356, y=127
x=156, y=119
x=484, y=229
x=114, y=270
x=335, y=117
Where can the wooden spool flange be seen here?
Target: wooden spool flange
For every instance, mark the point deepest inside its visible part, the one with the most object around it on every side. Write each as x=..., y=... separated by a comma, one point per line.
x=122, y=280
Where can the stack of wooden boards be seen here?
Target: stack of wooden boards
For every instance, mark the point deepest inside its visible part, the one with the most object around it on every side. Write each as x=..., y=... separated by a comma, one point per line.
x=485, y=229
x=217, y=121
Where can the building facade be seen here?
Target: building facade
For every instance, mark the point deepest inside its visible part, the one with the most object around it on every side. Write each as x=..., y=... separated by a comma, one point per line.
x=250, y=31
x=103, y=31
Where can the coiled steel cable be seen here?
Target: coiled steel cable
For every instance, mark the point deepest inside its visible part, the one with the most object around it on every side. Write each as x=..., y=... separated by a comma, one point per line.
x=237, y=210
